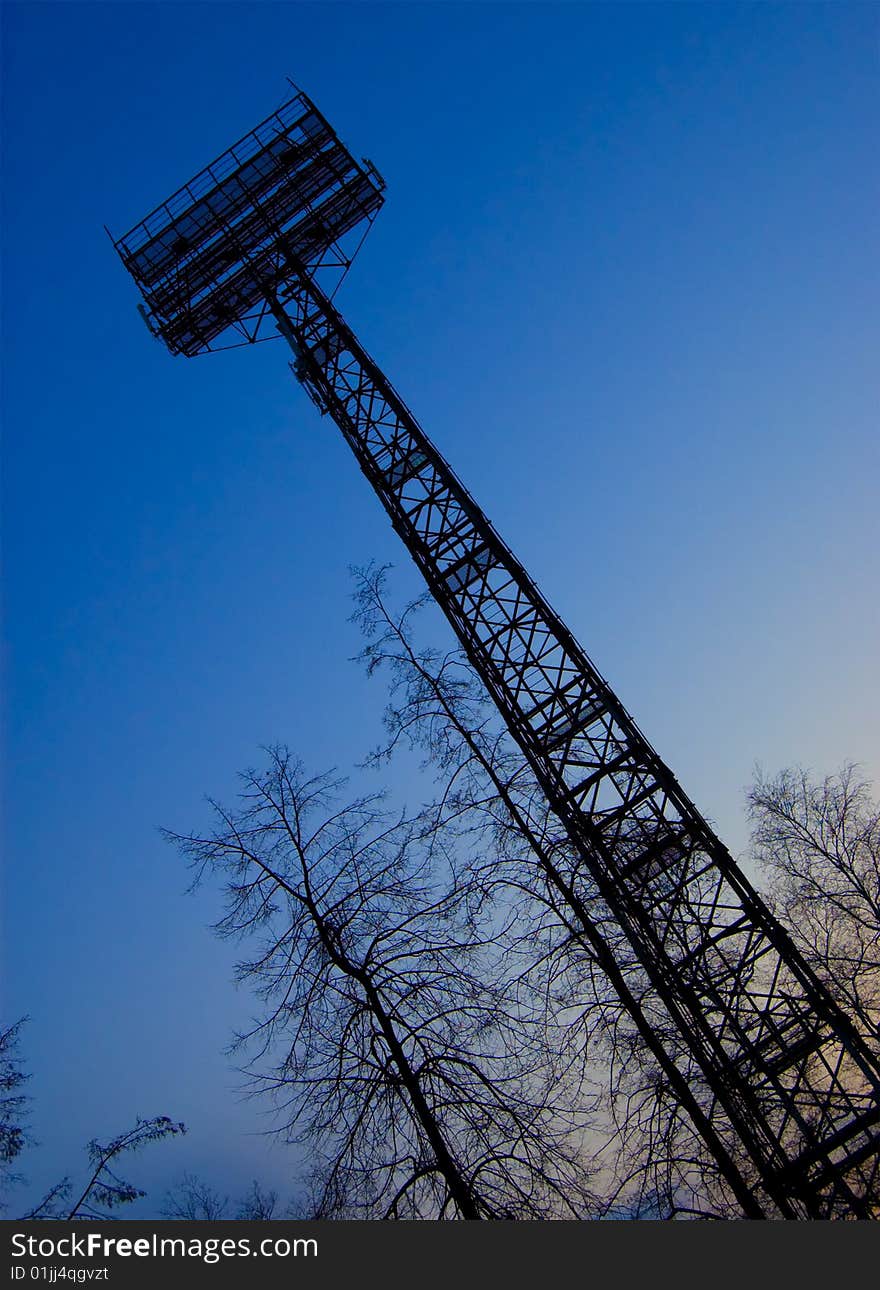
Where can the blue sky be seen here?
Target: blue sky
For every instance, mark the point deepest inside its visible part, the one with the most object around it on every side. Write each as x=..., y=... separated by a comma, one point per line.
x=626, y=276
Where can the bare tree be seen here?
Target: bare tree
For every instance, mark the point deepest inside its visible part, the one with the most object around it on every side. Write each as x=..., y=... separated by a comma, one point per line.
x=195, y=1201
x=600, y=1058
x=818, y=844
x=412, y=1076
x=258, y=1205
x=658, y=1113
x=13, y=1106
x=103, y=1190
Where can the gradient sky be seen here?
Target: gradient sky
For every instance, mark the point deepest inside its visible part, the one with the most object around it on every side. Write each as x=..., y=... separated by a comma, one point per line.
x=626, y=276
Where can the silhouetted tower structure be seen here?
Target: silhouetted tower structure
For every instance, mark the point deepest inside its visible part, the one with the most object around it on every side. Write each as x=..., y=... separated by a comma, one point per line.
x=793, y=1113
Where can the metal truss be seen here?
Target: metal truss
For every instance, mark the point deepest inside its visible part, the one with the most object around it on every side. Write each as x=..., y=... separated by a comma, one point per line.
x=788, y=1072
x=792, y=1116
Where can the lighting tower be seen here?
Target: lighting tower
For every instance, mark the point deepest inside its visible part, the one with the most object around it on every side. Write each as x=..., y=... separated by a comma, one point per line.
x=793, y=1118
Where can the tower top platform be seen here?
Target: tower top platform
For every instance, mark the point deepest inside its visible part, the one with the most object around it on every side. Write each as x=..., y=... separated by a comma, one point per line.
x=205, y=260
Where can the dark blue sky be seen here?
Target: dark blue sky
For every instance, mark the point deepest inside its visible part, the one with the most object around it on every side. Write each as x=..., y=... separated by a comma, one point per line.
x=626, y=276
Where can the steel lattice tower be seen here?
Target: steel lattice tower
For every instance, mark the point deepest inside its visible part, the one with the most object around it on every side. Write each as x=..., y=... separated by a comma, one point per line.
x=241, y=252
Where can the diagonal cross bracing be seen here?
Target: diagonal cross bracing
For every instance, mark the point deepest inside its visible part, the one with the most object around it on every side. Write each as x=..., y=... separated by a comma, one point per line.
x=791, y=1076
x=794, y=1113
